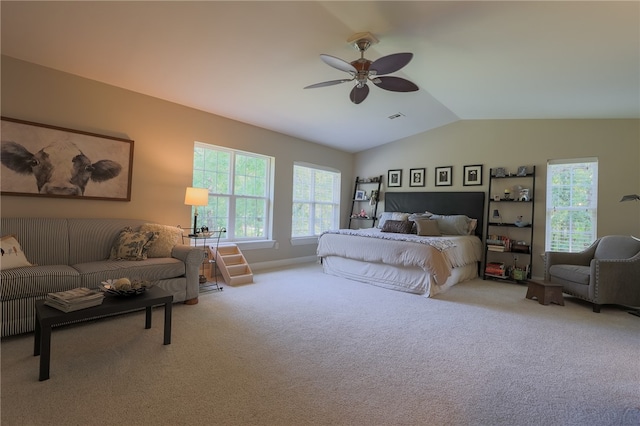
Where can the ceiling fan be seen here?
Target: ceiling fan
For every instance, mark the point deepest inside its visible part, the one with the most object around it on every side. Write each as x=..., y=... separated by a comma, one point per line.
x=363, y=70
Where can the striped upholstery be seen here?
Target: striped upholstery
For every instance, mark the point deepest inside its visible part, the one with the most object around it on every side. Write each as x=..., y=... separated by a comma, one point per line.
x=72, y=253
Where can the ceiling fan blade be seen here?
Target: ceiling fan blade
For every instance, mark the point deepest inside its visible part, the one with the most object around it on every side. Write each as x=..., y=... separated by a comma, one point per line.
x=359, y=94
x=338, y=63
x=327, y=83
x=390, y=63
x=395, y=84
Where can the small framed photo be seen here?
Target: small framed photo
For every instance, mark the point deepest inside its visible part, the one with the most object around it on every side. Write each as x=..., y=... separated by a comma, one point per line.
x=522, y=171
x=416, y=177
x=360, y=195
x=394, y=178
x=443, y=176
x=472, y=175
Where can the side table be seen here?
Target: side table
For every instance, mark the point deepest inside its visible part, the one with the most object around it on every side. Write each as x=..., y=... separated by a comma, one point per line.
x=47, y=317
x=545, y=292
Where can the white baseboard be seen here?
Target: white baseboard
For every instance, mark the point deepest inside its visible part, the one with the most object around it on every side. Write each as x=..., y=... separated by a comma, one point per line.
x=285, y=262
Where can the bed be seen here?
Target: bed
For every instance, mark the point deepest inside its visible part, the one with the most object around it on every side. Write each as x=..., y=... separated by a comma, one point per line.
x=408, y=262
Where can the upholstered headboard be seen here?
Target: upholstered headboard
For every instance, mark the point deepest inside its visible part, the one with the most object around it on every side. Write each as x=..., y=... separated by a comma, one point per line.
x=467, y=203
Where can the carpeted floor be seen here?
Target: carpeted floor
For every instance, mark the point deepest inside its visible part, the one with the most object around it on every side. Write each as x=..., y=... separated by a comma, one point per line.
x=298, y=347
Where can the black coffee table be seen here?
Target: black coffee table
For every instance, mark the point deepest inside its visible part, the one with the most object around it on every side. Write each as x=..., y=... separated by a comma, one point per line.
x=47, y=317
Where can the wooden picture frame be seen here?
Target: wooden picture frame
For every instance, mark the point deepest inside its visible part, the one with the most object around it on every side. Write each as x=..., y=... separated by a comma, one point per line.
x=394, y=178
x=85, y=165
x=444, y=176
x=472, y=175
x=417, y=177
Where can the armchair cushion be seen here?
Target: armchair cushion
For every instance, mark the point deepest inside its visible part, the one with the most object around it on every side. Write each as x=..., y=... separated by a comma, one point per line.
x=574, y=273
x=616, y=247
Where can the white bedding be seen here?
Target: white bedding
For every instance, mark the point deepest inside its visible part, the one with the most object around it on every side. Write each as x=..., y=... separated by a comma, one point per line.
x=405, y=262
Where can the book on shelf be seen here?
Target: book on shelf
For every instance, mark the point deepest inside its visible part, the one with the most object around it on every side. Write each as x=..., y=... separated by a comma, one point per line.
x=74, y=299
x=496, y=269
x=495, y=247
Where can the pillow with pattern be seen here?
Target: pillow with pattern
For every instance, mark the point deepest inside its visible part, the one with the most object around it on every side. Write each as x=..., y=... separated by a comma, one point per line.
x=12, y=254
x=132, y=245
x=397, y=226
x=168, y=237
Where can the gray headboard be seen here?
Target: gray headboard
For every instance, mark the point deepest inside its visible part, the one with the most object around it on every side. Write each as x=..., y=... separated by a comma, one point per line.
x=467, y=203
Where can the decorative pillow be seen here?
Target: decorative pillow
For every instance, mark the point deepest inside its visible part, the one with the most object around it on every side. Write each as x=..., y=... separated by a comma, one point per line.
x=392, y=216
x=12, y=254
x=473, y=224
x=457, y=224
x=397, y=226
x=416, y=216
x=428, y=228
x=168, y=237
x=131, y=245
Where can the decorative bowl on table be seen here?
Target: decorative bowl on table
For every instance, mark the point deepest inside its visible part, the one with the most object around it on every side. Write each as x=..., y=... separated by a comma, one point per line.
x=124, y=286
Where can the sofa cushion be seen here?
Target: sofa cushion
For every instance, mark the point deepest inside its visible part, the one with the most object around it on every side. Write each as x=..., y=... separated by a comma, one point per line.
x=12, y=254
x=45, y=241
x=153, y=269
x=132, y=245
x=168, y=237
x=574, y=273
x=37, y=281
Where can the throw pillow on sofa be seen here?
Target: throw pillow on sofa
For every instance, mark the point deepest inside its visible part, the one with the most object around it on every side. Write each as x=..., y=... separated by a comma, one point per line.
x=132, y=245
x=12, y=254
x=168, y=237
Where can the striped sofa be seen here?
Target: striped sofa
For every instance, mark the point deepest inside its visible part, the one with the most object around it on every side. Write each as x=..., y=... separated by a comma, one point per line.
x=70, y=253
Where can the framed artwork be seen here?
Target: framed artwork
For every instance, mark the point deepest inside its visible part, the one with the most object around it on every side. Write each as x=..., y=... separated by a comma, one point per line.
x=443, y=176
x=394, y=178
x=472, y=175
x=39, y=160
x=416, y=177
x=360, y=195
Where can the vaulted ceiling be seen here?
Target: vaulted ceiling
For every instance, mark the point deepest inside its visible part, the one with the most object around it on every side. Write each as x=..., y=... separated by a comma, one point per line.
x=249, y=61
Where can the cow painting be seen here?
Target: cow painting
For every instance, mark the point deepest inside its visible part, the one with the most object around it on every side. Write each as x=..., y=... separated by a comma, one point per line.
x=42, y=160
x=60, y=168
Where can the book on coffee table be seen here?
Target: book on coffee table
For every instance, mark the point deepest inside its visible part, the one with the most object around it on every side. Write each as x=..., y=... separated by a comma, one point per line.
x=74, y=299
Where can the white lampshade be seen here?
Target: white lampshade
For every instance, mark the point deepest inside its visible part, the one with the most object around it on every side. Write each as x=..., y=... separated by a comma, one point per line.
x=196, y=196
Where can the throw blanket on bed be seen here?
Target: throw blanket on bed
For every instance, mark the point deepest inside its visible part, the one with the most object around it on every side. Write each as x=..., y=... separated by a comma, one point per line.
x=436, y=242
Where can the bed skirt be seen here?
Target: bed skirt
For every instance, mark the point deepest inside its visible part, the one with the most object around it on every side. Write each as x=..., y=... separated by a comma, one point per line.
x=402, y=278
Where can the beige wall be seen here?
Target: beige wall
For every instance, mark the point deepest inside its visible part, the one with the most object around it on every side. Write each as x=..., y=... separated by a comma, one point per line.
x=164, y=134
x=511, y=143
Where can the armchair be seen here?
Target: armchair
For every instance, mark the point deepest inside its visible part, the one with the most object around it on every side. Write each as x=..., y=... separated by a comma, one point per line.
x=607, y=272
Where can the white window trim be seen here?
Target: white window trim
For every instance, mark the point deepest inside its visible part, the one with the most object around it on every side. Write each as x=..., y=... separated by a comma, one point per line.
x=313, y=239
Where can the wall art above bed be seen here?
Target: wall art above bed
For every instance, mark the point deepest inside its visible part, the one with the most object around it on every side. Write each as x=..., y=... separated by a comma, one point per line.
x=444, y=176
x=39, y=160
x=394, y=178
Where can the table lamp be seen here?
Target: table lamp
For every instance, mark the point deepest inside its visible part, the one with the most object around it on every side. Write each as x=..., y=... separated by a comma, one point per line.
x=196, y=197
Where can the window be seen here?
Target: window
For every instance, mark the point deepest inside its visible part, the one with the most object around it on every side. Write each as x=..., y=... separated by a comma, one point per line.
x=240, y=195
x=316, y=200
x=572, y=204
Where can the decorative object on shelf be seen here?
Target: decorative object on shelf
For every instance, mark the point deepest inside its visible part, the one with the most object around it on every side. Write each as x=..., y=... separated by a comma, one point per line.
x=524, y=194
x=417, y=177
x=496, y=198
x=394, y=178
x=373, y=200
x=363, y=214
x=472, y=175
x=507, y=194
x=522, y=171
x=520, y=223
x=497, y=218
x=443, y=176
x=500, y=172
x=196, y=197
x=360, y=195
x=104, y=176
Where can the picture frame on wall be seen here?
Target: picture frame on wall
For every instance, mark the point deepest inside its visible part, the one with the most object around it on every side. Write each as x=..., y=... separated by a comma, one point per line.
x=443, y=176
x=417, y=177
x=84, y=165
x=394, y=178
x=472, y=175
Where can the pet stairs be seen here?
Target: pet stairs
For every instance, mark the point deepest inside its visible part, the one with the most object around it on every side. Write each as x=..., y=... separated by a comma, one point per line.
x=232, y=265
